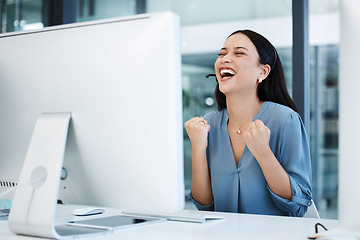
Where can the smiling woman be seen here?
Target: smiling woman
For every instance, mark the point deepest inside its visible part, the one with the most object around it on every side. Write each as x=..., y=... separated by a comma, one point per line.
x=252, y=155
x=273, y=90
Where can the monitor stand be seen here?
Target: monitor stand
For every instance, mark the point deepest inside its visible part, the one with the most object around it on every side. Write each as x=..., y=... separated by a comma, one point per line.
x=34, y=205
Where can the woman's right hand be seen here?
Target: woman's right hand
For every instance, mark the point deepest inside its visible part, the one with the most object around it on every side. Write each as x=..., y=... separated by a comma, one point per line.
x=197, y=129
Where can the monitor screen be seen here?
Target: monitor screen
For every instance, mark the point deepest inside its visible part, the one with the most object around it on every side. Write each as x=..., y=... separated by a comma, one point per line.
x=121, y=80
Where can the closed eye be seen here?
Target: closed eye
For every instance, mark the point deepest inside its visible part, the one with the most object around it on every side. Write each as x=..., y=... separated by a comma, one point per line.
x=222, y=52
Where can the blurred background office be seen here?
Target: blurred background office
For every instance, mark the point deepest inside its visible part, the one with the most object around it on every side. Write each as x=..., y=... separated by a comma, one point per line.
x=205, y=25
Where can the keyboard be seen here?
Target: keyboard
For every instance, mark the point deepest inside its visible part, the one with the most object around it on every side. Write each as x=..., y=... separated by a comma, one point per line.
x=196, y=217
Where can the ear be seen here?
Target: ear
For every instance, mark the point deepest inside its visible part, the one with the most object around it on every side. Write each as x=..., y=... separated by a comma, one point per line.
x=265, y=70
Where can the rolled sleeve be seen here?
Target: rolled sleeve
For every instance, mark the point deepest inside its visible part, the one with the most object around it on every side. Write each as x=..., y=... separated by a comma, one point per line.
x=200, y=207
x=298, y=196
x=298, y=204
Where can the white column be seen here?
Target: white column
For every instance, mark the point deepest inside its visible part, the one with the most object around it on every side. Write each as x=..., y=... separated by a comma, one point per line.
x=349, y=119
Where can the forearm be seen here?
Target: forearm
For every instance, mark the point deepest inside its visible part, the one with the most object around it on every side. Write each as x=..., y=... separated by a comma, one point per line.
x=275, y=175
x=201, y=182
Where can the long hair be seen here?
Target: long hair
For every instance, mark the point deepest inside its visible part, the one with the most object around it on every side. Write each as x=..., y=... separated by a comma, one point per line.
x=273, y=88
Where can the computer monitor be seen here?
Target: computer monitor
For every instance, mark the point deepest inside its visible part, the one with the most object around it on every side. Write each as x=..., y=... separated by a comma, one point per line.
x=121, y=80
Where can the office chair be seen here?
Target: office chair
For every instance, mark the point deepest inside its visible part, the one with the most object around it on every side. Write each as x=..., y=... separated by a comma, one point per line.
x=312, y=211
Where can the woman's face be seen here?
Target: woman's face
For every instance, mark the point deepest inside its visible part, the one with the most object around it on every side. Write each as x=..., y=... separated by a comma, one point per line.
x=237, y=67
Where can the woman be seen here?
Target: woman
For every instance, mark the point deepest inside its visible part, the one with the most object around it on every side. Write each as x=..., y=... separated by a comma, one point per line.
x=251, y=156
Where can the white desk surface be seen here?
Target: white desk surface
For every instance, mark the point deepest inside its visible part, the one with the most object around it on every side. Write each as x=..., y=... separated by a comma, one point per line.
x=233, y=226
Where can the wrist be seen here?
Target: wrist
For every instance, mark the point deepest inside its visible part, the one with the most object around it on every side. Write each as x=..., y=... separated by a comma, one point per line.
x=198, y=148
x=264, y=154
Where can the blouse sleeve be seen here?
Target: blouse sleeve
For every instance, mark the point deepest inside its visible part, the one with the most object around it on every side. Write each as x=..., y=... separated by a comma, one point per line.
x=294, y=156
x=200, y=207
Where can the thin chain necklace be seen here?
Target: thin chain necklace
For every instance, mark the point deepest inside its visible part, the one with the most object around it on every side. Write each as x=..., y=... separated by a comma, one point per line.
x=238, y=131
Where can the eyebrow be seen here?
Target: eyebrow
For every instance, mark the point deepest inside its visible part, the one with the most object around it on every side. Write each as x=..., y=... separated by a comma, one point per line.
x=224, y=48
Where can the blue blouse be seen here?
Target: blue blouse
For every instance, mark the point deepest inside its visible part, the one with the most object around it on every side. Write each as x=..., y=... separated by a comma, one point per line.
x=243, y=188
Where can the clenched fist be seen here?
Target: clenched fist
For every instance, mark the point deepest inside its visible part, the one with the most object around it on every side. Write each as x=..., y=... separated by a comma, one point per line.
x=257, y=138
x=197, y=128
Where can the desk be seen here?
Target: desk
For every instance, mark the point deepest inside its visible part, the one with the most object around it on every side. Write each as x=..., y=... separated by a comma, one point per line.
x=234, y=226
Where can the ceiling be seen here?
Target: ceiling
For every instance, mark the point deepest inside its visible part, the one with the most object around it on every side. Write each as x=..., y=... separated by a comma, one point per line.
x=210, y=11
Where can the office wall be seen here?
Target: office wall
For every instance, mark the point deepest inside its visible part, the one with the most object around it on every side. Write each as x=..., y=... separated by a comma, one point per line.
x=208, y=38
x=349, y=160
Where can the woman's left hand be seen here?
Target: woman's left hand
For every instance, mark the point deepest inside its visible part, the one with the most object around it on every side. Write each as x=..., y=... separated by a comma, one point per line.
x=257, y=138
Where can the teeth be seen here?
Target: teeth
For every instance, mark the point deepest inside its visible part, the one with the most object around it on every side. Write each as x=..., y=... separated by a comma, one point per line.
x=227, y=71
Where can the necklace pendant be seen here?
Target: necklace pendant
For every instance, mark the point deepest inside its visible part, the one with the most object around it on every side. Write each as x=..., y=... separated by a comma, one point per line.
x=238, y=131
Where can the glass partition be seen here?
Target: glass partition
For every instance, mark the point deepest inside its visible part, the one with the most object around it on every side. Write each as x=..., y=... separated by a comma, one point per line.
x=324, y=132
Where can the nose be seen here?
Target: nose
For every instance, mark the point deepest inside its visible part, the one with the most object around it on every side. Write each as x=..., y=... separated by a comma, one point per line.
x=226, y=59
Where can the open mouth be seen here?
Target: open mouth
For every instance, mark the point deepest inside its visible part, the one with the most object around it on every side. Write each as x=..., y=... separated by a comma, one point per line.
x=227, y=73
